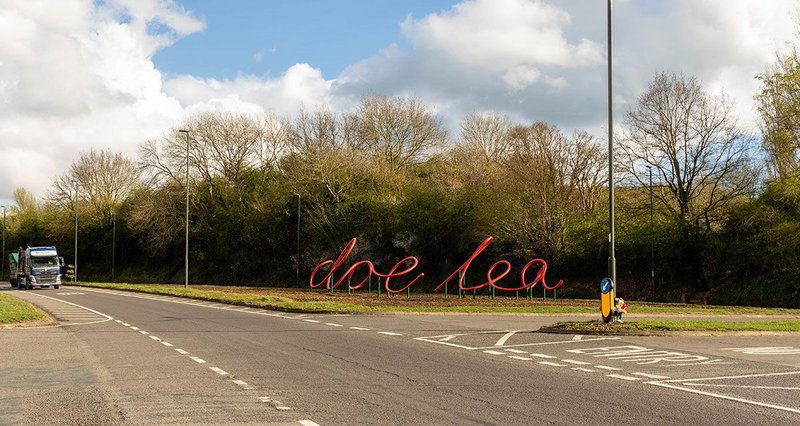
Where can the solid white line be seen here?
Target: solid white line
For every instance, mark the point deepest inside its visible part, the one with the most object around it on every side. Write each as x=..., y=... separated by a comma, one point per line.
x=741, y=386
x=181, y=351
x=198, y=360
x=553, y=364
x=359, y=328
x=619, y=376
x=167, y=344
x=505, y=337
x=108, y=317
x=333, y=325
x=787, y=373
x=448, y=338
x=494, y=352
x=730, y=398
x=572, y=361
x=143, y=332
x=542, y=356
x=516, y=351
x=651, y=376
x=307, y=423
x=155, y=338
x=310, y=320
x=604, y=367
x=389, y=333
x=588, y=370
x=520, y=358
x=219, y=371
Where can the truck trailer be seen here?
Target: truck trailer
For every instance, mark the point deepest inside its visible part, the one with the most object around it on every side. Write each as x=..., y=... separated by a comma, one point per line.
x=35, y=266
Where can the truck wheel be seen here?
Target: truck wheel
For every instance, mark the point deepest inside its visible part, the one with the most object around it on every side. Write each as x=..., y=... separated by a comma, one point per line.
x=56, y=287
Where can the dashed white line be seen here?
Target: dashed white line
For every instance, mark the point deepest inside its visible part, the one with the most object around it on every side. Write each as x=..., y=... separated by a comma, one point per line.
x=181, y=351
x=572, y=361
x=359, y=328
x=552, y=364
x=242, y=384
x=219, y=371
x=135, y=328
x=620, y=376
x=542, y=356
x=516, y=351
x=118, y=321
x=522, y=358
x=143, y=332
x=494, y=352
x=651, y=376
x=333, y=325
x=310, y=320
x=587, y=370
x=167, y=344
x=126, y=324
x=389, y=333
x=307, y=423
x=155, y=338
x=605, y=367
x=198, y=360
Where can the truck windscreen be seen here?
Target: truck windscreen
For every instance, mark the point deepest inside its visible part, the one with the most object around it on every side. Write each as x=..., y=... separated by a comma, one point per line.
x=42, y=262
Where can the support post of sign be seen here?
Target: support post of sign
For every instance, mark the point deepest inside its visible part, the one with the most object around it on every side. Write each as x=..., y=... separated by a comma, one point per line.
x=445, y=288
x=379, y=287
x=369, y=284
x=459, y=284
x=349, y=289
x=408, y=293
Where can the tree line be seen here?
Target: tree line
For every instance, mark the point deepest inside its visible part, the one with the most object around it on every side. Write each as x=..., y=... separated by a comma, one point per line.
x=270, y=197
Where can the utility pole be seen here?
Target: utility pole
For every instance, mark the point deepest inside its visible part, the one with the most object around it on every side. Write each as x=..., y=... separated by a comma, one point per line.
x=75, y=274
x=113, y=241
x=612, y=261
x=186, y=251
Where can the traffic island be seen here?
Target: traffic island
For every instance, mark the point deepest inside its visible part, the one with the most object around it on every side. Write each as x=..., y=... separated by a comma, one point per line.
x=671, y=327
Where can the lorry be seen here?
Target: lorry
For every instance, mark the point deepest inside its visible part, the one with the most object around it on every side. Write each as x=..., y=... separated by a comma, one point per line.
x=35, y=266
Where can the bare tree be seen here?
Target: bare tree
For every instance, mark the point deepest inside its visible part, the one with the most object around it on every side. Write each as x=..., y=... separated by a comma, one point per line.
x=275, y=141
x=587, y=167
x=779, y=106
x=486, y=135
x=316, y=131
x=398, y=130
x=692, y=141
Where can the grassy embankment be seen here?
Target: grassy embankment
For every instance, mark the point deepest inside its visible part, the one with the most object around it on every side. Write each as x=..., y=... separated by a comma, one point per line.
x=246, y=296
x=15, y=311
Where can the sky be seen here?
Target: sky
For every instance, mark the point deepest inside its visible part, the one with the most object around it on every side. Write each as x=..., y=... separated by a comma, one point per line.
x=90, y=74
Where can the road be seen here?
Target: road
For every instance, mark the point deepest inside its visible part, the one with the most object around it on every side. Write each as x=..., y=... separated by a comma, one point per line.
x=127, y=358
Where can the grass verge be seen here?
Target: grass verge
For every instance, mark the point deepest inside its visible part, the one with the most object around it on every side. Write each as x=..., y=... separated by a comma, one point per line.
x=15, y=311
x=645, y=326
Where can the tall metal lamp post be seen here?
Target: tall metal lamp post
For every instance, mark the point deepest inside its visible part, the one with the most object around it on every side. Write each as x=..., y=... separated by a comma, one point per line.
x=612, y=261
x=652, y=249
x=113, y=241
x=3, y=259
x=298, y=240
x=75, y=272
x=186, y=260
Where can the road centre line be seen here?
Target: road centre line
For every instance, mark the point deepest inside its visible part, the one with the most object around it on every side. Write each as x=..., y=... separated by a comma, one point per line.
x=155, y=338
x=134, y=328
x=552, y=364
x=126, y=324
x=605, y=367
x=242, y=384
x=198, y=360
x=389, y=333
x=521, y=358
x=516, y=351
x=310, y=320
x=587, y=370
x=333, y=324
x=307, y=423
x=181, y=351
x=167, y=344
x=219, y=371
x=359, y=328
x=572, y=361
x=651, y=376
x=143, y=332
x=494, y=352
x=536, y=355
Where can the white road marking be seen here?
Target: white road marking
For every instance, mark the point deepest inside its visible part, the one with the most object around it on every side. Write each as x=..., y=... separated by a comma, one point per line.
x=516, y=351
x=641, y=355
x=118, y=321
x=587, y=370
x=668, y=384
x=742, y=386
x=436, y=339
x=651, y=376
x=552, y=364
x=333, y=325
x=542, y=356
x=389, y=333
x=181, y=351
x=307, y=423
x=572, y=361
x=134, y=328
x=359, y=328
x=494, y=352
x=219, y=371
x=619, y=376
x=167, y=344
x=522, y=358
x=577, y=337
x=126, y=324
x=198, y=360
x=155, y=338
x=767, y=350
x=143, y=332
x=310, y=320
x=451, y=337
x=242, y=384
x=502, y=340
x=605, y=367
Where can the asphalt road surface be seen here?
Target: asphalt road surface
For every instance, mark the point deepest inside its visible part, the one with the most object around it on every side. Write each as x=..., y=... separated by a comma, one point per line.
x=127, y=358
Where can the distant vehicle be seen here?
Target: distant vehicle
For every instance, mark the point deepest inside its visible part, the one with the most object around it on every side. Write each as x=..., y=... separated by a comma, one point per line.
x=35, y=266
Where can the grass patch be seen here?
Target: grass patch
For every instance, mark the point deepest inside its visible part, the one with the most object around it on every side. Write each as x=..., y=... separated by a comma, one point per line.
x=14, y=310
x=301, y=300
x=678, y=325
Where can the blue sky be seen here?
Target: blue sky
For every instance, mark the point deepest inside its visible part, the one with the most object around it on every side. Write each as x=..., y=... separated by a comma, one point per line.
x=328, y=34
x=111, y=74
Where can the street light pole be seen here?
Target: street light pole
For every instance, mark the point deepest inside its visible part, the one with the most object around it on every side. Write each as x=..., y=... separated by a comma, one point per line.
x=75, y=272
x=298, y=240
x=612, y=261
x=3, y=259
x=652, y=249
x=113, y=241
x=186, y=260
